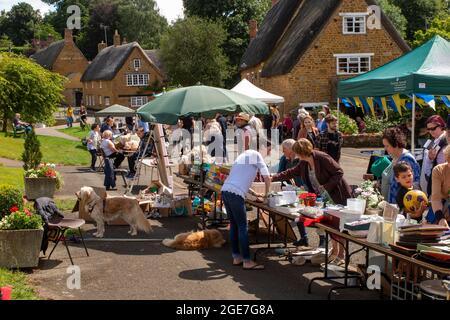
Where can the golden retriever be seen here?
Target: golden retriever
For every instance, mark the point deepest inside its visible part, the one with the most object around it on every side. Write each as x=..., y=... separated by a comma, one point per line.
x=196, y=240
x=112, y=208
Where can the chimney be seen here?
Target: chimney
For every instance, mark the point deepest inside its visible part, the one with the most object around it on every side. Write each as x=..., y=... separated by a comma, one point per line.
x=274, y=2
x=116, y=39
x=101, y=46
x=68, y=37
x=124, y=41
x=253, y=28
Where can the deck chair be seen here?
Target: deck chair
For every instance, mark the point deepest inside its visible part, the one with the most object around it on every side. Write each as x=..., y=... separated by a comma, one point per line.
x=101, y=160
x=57, y=229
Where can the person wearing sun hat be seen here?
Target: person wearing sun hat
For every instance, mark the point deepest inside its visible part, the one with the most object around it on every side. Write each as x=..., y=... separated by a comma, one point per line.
x=244, y=132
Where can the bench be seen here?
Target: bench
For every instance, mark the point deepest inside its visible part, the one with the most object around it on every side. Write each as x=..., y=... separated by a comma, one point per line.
x=16, y=133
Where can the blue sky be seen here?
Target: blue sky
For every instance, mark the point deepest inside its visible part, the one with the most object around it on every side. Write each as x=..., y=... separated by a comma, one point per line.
x=171, y=9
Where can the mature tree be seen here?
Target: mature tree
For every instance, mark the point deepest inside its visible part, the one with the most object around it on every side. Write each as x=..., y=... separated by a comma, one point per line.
x=395, y=15
x=29, y=89
x=102, y=13
x=235, y=16
x=420, y=13
x=45, y=30
x=197, y=57
x=20, y=23
x=58, y=18
x=141, y=21
x=438, y=27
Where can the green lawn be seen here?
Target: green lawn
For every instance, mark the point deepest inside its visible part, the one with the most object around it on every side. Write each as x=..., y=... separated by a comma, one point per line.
x=75, y=132
x=12, y=176
x=54, y=150
x=22, y=290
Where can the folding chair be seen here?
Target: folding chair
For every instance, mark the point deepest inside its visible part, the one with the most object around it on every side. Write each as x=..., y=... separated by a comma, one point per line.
x=59, y=227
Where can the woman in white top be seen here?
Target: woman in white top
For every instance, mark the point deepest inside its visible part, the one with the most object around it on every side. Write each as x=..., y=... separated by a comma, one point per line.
x=433, y=154
x=93, y=144
x=236, y=186
x=111, y=153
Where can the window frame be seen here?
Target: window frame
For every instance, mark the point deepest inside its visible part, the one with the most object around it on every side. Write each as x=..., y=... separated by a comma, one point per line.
x=354, y=16
x=135, y=99
x=350, y=57
x=137, y=79
x=139, y=63
x=107, y=100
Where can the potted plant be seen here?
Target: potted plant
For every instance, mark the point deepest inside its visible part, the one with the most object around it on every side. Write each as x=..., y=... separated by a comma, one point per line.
x=367, y=191
x=21, y=234
x=42, y=181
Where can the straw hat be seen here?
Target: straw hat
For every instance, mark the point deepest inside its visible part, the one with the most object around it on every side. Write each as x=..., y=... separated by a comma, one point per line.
x=243, y=116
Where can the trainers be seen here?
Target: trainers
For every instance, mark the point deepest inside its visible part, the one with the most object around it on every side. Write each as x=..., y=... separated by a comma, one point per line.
x=301, y=243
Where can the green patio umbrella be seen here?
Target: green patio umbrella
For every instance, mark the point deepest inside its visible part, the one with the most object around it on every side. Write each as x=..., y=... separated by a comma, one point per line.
x=198, y=101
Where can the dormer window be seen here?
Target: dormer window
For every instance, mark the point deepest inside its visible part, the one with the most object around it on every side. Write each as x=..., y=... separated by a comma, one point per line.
x=137, y=64
x=354, y=23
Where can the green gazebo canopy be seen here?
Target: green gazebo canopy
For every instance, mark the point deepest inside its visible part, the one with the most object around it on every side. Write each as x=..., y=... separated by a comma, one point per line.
x=425, y=70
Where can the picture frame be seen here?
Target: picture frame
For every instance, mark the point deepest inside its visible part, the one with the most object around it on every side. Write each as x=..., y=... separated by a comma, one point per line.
x=390, y=212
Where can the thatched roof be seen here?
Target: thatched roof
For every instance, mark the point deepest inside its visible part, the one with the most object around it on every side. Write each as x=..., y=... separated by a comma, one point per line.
x=47, y=57
x=111, y=59
x=108, y=62
x=288, y=30
x=155, y=57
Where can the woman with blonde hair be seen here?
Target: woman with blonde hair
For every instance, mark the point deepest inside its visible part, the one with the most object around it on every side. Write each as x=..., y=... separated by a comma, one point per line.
x=440, y=194
x=309, y=131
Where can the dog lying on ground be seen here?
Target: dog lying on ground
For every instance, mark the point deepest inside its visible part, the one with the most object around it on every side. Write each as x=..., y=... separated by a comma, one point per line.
x=112, y=208
x=196, y=240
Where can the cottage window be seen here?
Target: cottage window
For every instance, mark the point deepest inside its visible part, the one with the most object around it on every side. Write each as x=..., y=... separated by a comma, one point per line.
x=99, y=99
x=135, y=79
x=100, y=84
x=138, y=101
x=353, y=64
x=355, y=24
x=107, y=102
x=92, y=84
x=137, y=63
x=93, y=100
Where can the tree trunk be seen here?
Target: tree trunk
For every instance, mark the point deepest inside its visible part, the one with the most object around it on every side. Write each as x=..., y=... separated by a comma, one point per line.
x=5, y=123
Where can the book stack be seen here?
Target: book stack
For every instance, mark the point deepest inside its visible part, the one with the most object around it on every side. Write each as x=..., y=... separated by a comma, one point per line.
x=412, y=235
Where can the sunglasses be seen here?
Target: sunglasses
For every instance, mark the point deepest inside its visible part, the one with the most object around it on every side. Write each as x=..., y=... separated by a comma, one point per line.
x=433, y=129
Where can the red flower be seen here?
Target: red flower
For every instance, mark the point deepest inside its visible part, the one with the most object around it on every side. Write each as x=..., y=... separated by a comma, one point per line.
x=303, y=196
x=14, y=209
x=27, y=212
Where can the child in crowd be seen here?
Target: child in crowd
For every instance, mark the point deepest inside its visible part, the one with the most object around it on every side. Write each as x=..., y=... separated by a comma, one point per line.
x=404, y=176
x=93, y=144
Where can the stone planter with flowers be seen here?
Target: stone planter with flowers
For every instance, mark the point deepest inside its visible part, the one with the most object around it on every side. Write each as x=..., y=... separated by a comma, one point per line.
x=42, y=182
x=21, y=233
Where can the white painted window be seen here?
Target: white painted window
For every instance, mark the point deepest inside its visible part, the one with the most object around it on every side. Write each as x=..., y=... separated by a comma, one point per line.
x=136, y=80
x=107, y=102
x=93, y=100
x=89, y=100
x=99, y=99
x=100, y=84
x=354, y=24
x=137, y=63
x=353, y=63
x=138, y=101
x=92, y=84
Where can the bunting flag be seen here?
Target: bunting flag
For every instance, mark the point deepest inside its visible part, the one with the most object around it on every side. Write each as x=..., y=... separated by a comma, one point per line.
x=446, y=100
x=385, y=105
x=397, y=103
x=365, y=104
x=370, y=102
x=421, y=102
x=353, y=102
x=429, y=99
x=346, y=103
x=358, y=103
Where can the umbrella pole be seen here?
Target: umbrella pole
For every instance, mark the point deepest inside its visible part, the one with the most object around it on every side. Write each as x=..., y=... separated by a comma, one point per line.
x=338, y=111
x=413, y=129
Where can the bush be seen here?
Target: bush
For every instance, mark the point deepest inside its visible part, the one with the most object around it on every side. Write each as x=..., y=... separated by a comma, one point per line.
x=10, y=196
x=31, y=155
x=375, y=125
x=346, y=124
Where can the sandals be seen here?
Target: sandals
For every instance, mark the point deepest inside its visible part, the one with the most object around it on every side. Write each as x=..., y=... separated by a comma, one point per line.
x=255, y=267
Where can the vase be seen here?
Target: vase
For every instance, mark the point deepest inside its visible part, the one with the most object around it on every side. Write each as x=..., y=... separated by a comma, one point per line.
x=20, y=248
x=310, y=202
x=40, y=187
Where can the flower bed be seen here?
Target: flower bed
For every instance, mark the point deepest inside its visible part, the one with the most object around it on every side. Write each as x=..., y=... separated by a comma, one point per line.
x=365, y=140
